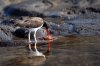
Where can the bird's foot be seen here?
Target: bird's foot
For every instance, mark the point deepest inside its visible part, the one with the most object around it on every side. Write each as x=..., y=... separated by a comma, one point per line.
x=36, y=53
x=48, y=38
x=47, y=53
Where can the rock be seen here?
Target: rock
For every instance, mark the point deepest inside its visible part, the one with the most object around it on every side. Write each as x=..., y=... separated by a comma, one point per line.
x=21, y=32
x=4, y=3
x=62, y=29
x=6, y=33
x=60, y=14
x=1, y=5
x=41, y=9
x=71, y=28
x=28, y=8
x=4, y=36
x=8, y=22
x=95, y=9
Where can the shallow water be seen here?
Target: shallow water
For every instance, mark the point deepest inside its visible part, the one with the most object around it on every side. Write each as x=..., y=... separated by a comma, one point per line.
x=66, y=51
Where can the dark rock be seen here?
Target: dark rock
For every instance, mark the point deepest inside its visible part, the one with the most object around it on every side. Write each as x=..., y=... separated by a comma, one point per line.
x=4, y=3
x=21, y=32
x=9, y=22
x=71, y=28
x=27, y=8
x=39, y=9
x=93, y=9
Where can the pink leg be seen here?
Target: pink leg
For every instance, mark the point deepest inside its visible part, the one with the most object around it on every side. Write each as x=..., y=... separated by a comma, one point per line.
x=29, y=42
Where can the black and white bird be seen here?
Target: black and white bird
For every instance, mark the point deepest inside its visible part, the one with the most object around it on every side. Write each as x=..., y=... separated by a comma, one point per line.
x=33, y=25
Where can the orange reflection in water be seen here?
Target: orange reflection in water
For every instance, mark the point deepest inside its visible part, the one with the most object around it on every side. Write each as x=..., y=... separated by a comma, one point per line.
x=48, y=40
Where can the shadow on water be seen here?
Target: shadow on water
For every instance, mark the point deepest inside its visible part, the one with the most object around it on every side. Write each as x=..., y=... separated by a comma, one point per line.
x=66, y=51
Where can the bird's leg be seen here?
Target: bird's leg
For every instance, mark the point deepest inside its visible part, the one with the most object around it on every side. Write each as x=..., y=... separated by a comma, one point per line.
x=35, y=40
x=37, y=53
x=29, y=41
x=29, y=38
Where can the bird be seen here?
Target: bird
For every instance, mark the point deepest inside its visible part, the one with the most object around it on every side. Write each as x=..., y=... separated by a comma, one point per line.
x=33, y=25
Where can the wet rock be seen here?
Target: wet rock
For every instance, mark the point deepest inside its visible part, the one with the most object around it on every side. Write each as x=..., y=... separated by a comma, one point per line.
x=4, y=37
x=68, y=29
x=41, y=9
x=5, y=33
x=87, y=26
x=21, y=32
x=63, y=29
x=7, y=22
x=71, y=28
x=93, y=9
x=70, y=17
x=77, y=16
x=77, y=26
x=4, y=3
x=7, y=28
x=53, y=26
x=60, y=14
x=28, y=8
x=46, y=7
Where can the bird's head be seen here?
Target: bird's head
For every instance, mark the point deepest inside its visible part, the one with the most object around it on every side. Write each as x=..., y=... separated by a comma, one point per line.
x=45, y=25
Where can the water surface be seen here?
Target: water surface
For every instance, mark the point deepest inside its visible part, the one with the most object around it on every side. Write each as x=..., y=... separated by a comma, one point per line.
x=66, y=51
